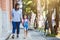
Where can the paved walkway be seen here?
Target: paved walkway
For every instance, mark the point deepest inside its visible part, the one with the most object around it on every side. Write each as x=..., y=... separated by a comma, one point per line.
x=21, y=36
x=33, y=35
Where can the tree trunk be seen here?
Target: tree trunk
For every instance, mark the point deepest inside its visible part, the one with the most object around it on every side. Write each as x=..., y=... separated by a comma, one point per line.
x=57, y=19
x=39, y=11
x=49, y=17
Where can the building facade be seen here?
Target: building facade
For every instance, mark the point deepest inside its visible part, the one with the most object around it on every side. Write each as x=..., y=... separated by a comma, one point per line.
x=6, y=7
x=5, y=10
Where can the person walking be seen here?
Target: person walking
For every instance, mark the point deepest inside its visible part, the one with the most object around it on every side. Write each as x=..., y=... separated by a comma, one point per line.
x=46, y=27
x=16, y=20
x=25, y=25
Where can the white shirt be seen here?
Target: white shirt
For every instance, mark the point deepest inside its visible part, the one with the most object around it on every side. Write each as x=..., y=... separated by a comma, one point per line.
x=16, y=15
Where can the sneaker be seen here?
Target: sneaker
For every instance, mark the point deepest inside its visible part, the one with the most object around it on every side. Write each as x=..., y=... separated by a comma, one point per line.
x=17, y=36
x=12, y=36
x=24, y=37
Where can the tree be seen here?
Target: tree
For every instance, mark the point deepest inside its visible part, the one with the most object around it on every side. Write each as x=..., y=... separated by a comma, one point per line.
x=28, y=6
x=51, y=5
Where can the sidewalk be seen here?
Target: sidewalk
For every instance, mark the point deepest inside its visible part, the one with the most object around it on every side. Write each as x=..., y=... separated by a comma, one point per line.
x=33, y=35
x=21, y=36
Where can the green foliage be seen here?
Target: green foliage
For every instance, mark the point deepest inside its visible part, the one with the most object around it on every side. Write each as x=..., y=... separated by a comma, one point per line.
x=29, y=5
x=51, y=35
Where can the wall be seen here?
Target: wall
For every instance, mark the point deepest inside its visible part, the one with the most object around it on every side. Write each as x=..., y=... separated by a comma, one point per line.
x=5, y=10
x=0, y=20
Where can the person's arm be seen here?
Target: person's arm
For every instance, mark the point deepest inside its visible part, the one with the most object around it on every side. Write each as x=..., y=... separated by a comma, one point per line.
x=28, y=23
x=21, y=13
x=11, y=15
x=22, y=21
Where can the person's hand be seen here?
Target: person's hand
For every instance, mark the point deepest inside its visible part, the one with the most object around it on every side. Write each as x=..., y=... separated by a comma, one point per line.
x=10, y=20
x=22, y=21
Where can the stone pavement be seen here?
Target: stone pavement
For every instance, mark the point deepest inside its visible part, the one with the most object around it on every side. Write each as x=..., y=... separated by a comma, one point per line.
x=36, y=35
x=21, y=36
x=33, y=35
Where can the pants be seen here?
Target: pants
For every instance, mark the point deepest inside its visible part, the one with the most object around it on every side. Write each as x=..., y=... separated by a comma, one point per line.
x=16, y=27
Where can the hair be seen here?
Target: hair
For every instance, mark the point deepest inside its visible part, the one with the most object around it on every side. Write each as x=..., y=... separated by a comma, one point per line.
x=25, y=15
x=17, y=4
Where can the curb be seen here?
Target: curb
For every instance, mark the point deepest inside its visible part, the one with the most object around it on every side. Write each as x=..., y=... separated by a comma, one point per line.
x=8, y=37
